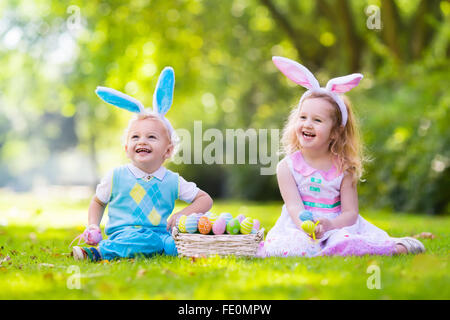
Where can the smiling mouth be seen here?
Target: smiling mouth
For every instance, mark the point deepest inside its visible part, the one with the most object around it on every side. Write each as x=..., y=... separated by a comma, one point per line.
x=143, y=150
x=308, y=135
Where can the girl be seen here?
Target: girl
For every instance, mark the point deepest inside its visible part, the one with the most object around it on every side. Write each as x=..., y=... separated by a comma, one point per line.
x=320, y=173
x=141, y=195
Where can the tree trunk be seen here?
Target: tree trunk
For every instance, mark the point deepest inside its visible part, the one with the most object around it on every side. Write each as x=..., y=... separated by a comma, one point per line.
x=422, y=31
x=342, y=16
x=297, y=39
x=391, y=27
x=351, y=39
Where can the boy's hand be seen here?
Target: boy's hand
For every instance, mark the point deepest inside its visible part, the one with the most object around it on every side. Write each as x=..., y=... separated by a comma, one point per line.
x=172, y=221
x=93, y=228
x=323, y=226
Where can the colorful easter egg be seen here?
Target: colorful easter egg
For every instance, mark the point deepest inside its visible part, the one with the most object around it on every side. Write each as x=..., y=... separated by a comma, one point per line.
x=240, y=217
x=305, y=215
x=219, y=226
x=233, y=226
x=208, y=214
x=92, y=236
x=308, y=226
x=254, y=231
x=213, y=217
x=191, y=223
x=227, y=216
x=256, y=224
x=204, y=225
x=178, y=219
x=246, y=225
x=182, y=223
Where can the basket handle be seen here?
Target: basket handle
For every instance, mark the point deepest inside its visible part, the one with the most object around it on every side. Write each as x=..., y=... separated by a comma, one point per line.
x=260, y=234
x=175, y=232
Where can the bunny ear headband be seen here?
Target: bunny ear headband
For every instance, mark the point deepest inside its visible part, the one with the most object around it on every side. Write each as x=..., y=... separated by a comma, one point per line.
x=162, y=97
x=302, y=76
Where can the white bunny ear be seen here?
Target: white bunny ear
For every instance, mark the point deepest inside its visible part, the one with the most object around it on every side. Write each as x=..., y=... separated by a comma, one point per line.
x=296, y=72
x=163, y=95
x=345, y=83
x=119, y=99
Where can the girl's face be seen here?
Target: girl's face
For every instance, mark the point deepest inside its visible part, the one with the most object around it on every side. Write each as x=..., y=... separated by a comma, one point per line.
x=315, y=124
x=148, y=144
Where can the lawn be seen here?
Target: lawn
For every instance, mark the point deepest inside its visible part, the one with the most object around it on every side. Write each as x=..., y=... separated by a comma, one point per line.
x=34, y=262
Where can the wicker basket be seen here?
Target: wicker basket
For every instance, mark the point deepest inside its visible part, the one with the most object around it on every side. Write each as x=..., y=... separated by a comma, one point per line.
x=197, y=245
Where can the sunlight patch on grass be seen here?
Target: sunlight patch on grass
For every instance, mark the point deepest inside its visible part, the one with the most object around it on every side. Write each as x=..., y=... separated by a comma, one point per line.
x=21, y=286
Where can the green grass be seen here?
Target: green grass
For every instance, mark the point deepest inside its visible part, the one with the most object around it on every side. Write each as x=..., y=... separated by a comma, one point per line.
x=35, y=234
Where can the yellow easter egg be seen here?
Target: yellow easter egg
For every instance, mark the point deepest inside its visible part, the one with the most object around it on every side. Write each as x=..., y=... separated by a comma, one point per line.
x=182, y=224
x=247, y=225
x=308, y=226
x=213, y=217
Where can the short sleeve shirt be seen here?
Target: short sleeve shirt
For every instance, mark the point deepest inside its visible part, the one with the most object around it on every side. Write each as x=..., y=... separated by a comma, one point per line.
x=187, y=190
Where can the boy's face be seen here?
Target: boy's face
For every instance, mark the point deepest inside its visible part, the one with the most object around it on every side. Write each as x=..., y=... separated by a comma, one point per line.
x=148, y=144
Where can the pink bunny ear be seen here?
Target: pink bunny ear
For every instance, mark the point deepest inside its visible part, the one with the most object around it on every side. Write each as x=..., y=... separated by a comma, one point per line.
x=296, y=72
x=345, y=83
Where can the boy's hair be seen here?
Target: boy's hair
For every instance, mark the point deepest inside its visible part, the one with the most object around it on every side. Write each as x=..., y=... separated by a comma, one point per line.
x=347, y=147
x=173, y=138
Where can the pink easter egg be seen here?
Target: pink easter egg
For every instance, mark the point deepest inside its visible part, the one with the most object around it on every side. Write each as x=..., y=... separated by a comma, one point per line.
x=256, y=224
x=240, y=217
x=93, y=236
x=219, y=226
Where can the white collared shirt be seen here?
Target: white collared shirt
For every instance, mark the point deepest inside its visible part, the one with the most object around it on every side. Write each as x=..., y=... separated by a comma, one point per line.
x=187, y=190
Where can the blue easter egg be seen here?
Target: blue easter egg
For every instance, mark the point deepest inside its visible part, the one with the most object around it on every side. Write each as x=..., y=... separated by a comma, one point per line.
x=208, y=214
x=191, y=223
x=306, y=215
x=226, y=215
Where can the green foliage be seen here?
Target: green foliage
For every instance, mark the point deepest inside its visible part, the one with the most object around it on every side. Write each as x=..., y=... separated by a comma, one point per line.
x=55, y=53
x=406, y=133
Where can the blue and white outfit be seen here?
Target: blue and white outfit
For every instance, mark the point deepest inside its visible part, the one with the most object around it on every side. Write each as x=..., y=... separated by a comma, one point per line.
x=139, y=205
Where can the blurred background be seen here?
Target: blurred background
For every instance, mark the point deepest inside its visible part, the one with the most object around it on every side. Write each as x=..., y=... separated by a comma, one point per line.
x=57, y=138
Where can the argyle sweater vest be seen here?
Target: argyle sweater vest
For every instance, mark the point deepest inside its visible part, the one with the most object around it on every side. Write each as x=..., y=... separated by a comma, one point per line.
x=140, y=203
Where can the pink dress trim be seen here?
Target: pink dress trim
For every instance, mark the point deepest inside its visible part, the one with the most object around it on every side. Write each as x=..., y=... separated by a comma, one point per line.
x=305, y=169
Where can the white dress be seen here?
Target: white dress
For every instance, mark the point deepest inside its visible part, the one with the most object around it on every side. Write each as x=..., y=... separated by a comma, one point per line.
x=320, y=193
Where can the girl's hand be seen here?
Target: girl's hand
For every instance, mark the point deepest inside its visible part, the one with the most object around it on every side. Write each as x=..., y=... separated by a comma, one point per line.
x=323, y=226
